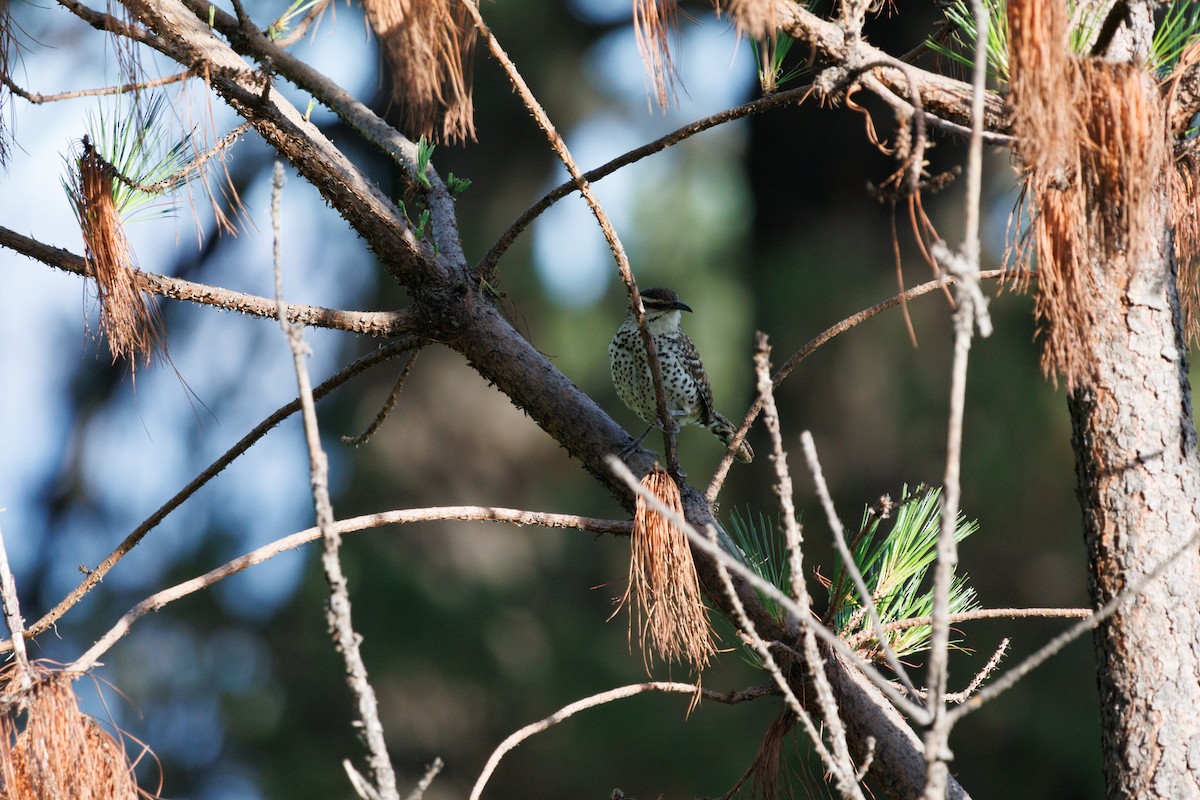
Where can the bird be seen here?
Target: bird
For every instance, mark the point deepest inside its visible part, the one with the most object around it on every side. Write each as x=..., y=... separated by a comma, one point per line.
x=686, y=388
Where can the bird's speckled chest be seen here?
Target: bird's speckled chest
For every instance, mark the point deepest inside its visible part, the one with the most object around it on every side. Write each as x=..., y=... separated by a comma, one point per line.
x=677, y=361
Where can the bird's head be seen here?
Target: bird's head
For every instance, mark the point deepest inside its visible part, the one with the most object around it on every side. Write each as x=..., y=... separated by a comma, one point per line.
x=662, y=306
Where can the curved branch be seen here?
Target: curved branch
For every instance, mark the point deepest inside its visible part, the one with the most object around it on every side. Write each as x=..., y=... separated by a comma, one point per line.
x=462, y=513
x=374, y=323
x=611, y=695
x=969, y=616
x=487, y=267
x=38, y=99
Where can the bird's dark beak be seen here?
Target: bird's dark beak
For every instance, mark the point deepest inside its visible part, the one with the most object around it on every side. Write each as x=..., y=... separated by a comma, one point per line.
x=681, y=306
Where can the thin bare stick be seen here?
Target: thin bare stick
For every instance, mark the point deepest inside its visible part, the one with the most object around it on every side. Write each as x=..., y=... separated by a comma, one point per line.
x=12, y=617
x=718, y=479
x=157, y=601
x=840, y=762
x=859, y=639
x=971, y=307
x=374, y=323
x=981, y=676
x=366, y=435
x=610, y=696
x=666, y=421
x=96, y=575
x=839, y=541
x=430, y=773
x=38, y=99
x=338, y=614
x=898, y=699
x=487, y=267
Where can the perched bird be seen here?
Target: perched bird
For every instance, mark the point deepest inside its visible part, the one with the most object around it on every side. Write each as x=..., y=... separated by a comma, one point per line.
x=685, y=383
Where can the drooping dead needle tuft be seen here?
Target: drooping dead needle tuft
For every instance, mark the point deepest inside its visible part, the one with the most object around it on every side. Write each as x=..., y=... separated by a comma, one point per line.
x=1043, y=85
x=60, y=751
x=664, y=592
x=755, y=19
x=1092, y=138
x=129, y=319
x=428, y=46
x=653, y=21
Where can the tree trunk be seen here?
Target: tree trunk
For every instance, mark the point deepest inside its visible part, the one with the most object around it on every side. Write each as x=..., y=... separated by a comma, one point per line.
x=1135, y=446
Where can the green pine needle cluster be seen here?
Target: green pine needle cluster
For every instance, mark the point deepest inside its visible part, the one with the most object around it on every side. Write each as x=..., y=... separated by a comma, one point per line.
x=133, y=139
x=894, y=559
x=960, y=48
x=764, y=552
x=893, y=555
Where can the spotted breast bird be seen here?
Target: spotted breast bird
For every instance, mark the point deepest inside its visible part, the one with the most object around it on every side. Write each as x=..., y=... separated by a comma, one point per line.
x=685, y=383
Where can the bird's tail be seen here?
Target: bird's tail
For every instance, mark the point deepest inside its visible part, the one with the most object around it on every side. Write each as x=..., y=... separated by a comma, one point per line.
x=725, y=431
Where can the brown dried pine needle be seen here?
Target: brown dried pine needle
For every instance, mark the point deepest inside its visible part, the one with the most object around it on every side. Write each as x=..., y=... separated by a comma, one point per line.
x=428, y=47
x=652, y=23
x=754, y=19
x=1091, y=136
x=60, y=751
x=128, y=318
x=664, y=592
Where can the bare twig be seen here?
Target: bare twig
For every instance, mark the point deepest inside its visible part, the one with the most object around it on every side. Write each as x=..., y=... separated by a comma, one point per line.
x=374, y=323
x=342, y=527
x=839, y=541
x=600, y=699
x=13, y=619
x=366, y=435
x=718, y=479
x=432, y=772
x=666, y=421
x=487, y=266
x=38, y=99
x=839, y=763
x=859, y=639
x=338, y=614
x=981, y=676
x=971, y=306
x=195, y=165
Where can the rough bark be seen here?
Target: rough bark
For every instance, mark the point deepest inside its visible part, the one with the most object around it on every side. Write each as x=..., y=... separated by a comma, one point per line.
x=1138, y=472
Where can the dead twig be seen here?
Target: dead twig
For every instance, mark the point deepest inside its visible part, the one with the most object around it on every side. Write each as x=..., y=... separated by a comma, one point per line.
x=288, y=543
x=338, y=613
